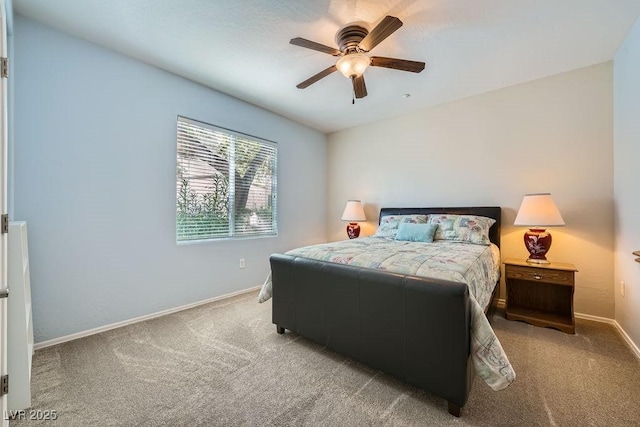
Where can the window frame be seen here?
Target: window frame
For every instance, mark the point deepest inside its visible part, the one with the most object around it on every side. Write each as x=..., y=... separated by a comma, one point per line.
x=232, y=233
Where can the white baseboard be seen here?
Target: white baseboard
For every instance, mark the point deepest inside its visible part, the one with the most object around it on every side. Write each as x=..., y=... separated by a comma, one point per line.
x=60, y=340
x=622, y=332
x=94, y=331
x=628, y=339
x=594, y=318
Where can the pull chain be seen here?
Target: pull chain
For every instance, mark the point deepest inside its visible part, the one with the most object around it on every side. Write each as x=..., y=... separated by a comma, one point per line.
x=353, y=92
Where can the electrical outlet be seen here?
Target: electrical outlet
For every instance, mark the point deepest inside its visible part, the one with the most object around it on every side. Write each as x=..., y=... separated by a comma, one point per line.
x=622, y=288
x=241, y=262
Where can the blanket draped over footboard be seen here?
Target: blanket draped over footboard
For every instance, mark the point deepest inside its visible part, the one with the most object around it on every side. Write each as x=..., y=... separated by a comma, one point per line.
x=477, y=266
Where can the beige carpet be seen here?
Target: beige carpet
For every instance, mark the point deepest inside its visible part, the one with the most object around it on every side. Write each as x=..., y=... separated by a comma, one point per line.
x=223, y=364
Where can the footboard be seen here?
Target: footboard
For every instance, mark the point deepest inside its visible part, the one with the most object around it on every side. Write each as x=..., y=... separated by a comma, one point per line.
x=414, y=328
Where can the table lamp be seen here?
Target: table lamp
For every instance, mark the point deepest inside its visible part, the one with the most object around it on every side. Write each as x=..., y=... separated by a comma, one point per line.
x=353, y=213
x=537, y=212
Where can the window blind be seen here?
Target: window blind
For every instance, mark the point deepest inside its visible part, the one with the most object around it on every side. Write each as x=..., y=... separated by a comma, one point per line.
x=226, y=184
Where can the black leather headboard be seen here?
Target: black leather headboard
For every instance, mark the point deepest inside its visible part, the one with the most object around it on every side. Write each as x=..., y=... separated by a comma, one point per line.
x=488, y=211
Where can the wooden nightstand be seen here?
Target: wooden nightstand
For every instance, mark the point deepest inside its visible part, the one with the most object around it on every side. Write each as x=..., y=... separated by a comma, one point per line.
x=540, y=294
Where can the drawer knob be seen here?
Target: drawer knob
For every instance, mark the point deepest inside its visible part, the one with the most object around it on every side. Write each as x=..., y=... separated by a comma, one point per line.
x=537, y=276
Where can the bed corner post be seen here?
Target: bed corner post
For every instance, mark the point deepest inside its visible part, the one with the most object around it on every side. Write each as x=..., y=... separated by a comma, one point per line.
x=454, y=409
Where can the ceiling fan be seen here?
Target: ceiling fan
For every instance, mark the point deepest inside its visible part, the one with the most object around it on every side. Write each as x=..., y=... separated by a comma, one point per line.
x=354, y=42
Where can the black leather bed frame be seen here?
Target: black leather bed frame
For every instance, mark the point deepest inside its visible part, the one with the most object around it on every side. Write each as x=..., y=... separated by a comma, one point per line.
x=415, y=328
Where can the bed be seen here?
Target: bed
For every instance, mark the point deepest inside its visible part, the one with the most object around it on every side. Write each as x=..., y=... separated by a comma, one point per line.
x=419, y=314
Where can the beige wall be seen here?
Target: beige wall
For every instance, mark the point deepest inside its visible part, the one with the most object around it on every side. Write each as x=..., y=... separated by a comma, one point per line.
x=627, y=182
x=550, y=135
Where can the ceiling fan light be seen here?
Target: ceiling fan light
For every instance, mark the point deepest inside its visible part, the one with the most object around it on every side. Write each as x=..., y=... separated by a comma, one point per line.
x=353, y=64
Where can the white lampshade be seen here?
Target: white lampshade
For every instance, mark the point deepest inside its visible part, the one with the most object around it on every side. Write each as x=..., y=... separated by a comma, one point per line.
x=353, y=64
x=353, y=212
x=538, y=210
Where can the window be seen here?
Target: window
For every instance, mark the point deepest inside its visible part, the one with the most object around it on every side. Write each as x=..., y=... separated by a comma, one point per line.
x=226, y=184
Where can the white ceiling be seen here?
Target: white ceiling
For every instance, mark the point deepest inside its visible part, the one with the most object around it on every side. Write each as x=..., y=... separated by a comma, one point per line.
x=241, y=47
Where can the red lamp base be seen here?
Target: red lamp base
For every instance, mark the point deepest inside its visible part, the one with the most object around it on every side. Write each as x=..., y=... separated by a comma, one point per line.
x=538, y=242
x=353, y=230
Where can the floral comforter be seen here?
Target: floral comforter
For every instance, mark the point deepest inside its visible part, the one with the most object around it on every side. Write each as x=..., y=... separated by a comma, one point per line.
x=476, y=265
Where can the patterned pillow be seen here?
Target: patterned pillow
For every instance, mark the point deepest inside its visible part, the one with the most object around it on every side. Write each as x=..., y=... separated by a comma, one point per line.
x=389, y=224
x=462, y=228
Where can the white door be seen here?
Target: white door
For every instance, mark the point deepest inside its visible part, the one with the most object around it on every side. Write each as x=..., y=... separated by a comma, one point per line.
x=3, y=210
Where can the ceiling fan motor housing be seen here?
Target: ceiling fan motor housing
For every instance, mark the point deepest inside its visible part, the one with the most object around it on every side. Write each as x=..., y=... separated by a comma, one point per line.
x=349, y=37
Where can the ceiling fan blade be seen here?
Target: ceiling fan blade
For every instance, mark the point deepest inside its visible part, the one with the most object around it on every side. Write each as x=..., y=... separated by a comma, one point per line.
x=311, y=80
x=384, y=29
x=359, y=87
x=299, y=41
x=397, y=64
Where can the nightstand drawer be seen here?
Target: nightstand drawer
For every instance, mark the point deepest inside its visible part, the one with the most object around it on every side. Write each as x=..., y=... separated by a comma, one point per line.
x=558, y=277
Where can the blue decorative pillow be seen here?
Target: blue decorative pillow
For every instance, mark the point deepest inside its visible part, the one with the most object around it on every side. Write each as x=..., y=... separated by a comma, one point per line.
x=416, y=232
x=389, y=223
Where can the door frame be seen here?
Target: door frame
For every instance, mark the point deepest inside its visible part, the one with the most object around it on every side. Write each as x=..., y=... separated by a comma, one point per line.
x=3, y=210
